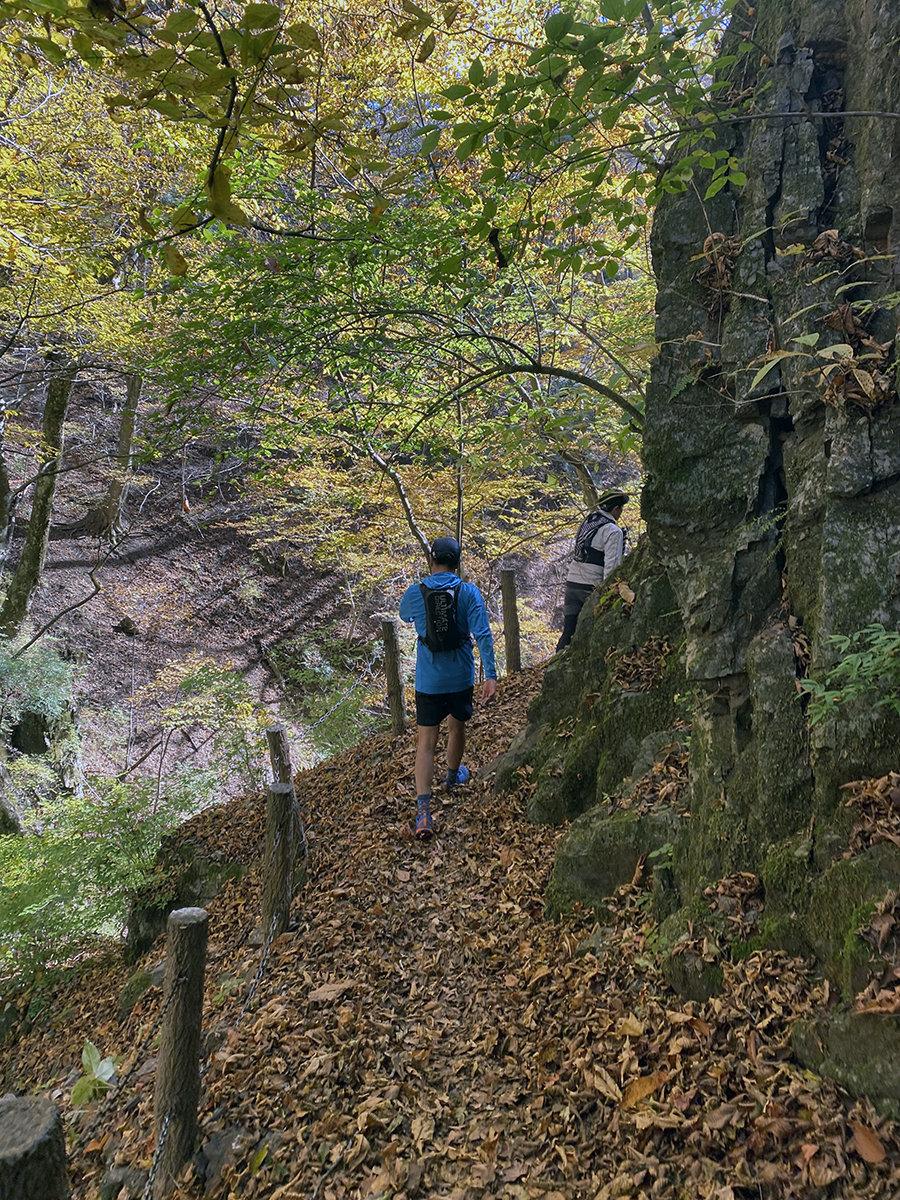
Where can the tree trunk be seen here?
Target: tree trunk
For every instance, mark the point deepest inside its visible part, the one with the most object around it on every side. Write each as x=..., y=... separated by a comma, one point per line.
x=110, y=512
x=7, y=498
x=510, y=621
x=589, y=491
x=32, y=1150
x=396, y=698
x=28, y=572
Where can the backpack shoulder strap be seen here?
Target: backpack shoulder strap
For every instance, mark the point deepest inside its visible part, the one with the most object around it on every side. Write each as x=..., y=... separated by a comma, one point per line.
x=585, y=535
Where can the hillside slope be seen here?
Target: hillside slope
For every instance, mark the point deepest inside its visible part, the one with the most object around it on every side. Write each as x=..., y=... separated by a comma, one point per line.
x=422, y=1031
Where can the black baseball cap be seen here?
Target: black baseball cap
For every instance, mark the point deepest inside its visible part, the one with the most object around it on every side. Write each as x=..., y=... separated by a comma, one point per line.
x=445, y=550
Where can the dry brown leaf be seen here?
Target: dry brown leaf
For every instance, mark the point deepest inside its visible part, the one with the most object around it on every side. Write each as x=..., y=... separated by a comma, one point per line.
x=331, y=991
x=435, y=1045
x=603, y=1082
x=866, y=1143
x=640, y=1089
x=721, y=1116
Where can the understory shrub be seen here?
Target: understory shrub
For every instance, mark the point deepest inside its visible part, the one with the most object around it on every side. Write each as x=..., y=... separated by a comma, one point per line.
x=67, y=886
x=867, y=672
x=333, y=684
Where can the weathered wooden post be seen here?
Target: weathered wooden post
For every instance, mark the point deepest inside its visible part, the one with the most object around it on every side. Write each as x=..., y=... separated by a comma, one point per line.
x=280, y=758
x=510, y=620
x=279, y=754
x=32, y=1150
x=178, y=1069
x=278, y=863
x=396, y=699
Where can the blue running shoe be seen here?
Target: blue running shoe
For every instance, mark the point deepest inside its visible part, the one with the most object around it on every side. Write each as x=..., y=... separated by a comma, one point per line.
x=455, y=778
x=424, y=826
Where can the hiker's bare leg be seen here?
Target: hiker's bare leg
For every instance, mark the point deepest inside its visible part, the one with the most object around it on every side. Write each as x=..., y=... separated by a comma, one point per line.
x=426, y=743
x=456, y=742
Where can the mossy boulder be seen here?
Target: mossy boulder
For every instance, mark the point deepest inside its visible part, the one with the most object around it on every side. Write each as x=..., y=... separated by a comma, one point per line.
x=620, y=681
x=691, y=944
x=860, y=1050
x=772, y=507
x=11, y=820
x=600, y=852
x=820, y=912
x=185, y=876
x=840, y=902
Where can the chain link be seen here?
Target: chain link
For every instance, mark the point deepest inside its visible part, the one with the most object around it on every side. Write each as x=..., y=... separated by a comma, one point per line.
x=263, y=961
x=113, y=1092
x=157, y=1155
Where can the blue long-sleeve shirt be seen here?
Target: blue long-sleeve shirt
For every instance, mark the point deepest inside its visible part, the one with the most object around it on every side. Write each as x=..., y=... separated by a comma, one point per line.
x=450, y=670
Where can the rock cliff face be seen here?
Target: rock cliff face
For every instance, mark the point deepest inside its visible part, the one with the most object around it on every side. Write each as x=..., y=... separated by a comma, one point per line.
x=773, y=510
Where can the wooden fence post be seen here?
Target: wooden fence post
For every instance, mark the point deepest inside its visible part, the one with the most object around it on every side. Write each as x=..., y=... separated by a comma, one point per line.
x=510, y=620
x=178, y=1069
x=396, y=699
x=278, y=863
x=32, y=1150
x=279, y=754
x=280, y=758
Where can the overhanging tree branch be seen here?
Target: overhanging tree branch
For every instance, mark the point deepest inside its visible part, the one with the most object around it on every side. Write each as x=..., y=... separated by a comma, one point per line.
x=536, y=368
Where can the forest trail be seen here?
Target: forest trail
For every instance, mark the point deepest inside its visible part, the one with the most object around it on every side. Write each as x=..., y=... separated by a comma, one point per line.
x=422, y=1031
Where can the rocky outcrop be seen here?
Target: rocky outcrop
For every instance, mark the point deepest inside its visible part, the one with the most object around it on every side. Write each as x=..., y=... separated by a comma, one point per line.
x=619, y=685
x=186, y=874
x=772, y=450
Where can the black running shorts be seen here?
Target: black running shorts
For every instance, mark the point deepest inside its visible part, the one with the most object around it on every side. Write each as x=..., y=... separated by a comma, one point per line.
x=432, y=707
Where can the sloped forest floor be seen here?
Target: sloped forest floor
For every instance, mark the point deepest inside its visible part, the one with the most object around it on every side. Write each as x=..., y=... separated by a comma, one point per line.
x=422, y=1031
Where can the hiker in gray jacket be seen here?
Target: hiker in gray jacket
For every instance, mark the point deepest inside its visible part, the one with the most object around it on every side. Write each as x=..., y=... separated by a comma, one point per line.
x=599, y=548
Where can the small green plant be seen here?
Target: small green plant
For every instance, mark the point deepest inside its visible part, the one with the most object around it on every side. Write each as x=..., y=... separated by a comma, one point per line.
x=98, y=1074
x=67, y=886
x=867, y=672
x=662, y=856
x=37, y=680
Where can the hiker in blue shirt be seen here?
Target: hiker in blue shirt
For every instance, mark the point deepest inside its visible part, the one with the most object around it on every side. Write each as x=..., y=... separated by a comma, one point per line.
x=447, y=614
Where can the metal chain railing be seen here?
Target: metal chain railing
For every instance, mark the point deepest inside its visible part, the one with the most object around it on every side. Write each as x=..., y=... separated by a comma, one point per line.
x=263, y=963
x=112, y=1092
x=157, y=1023
x=157, y=1155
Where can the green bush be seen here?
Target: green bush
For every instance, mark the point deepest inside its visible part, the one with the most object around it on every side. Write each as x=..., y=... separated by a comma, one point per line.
x=67, y=887
x=331, y=681
x=867, y=672
x=36, y=686
x=37, y=680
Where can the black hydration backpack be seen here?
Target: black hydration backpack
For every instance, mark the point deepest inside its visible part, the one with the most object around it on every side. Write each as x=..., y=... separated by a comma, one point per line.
x=442, y=631
x=584, y=551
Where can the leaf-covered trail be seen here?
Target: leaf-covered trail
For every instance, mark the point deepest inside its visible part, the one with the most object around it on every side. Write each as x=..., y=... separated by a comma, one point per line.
x=423, y=1032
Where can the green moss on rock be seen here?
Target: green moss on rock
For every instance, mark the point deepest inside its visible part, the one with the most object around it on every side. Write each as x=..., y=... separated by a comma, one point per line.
x=860, y=1050
x=601, y=851
x=840, y=901
x=587, y=727
x=693, y=975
